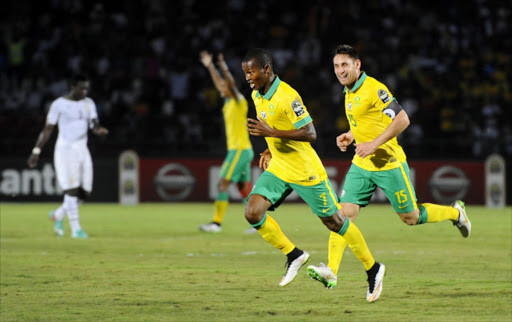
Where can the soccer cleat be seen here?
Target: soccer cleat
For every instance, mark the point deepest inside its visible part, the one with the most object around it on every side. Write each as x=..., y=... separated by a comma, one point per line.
x=79, y=234
x=57, y=224
x=462, y=222
x=293, y=268
x=251, y=230
x=375, y=284
x=323, y=274
x=211, y=228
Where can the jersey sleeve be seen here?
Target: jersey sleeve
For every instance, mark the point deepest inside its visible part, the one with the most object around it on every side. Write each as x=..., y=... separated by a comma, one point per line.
x=93, y=113
x=381, y=96
x=53, y=114
x=297, y=112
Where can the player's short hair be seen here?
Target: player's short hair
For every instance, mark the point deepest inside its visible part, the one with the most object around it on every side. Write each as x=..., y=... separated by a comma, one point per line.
x=260, y=56
x=75, y=79
x=346, y=50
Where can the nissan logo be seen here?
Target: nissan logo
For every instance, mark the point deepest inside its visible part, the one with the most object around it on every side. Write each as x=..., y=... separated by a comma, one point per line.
x=174, y=182
x=449, y=183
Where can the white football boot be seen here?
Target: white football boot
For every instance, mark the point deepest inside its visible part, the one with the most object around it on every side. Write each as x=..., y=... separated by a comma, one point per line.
x=462, y=222
x=293, y=268
x=323, y=274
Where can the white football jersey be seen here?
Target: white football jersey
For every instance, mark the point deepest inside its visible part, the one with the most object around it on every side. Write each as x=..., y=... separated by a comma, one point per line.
x=73, y=118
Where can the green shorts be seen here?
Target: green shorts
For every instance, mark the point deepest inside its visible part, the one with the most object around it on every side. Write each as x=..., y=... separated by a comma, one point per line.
x=237, y=165
x=320, y=197
x=360, y=185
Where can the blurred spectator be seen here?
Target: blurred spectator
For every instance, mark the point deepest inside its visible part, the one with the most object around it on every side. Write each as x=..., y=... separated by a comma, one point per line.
x=451, y=69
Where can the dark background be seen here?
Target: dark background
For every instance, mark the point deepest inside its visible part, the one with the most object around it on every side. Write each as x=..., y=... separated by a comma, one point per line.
x=447, y=62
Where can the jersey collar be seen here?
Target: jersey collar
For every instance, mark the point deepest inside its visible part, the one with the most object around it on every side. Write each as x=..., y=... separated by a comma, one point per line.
x=271, y=90
x=358, y=83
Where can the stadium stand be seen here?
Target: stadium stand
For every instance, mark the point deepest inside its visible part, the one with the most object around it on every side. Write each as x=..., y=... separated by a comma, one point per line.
x=450, y=69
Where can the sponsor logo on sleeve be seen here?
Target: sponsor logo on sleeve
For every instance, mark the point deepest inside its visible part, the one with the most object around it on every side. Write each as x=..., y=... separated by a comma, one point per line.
x=383, y=95
x=297, y=107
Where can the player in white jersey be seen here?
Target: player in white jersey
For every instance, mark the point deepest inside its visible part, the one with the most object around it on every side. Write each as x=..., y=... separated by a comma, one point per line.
x=74, y=114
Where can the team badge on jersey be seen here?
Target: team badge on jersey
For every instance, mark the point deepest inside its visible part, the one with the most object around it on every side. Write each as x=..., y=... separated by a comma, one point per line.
x=297, y=107
x=383, y=95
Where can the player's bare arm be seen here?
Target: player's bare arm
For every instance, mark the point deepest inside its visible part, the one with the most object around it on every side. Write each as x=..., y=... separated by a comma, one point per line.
x=97, y=129
x=398, y=125
x=265, y=158
x=228, y=77
x=207, y=60
x=344, y=140
x=41, y=141
x=259, y=127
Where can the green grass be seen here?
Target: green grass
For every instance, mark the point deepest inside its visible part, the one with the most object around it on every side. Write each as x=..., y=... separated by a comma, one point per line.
x=150, y=263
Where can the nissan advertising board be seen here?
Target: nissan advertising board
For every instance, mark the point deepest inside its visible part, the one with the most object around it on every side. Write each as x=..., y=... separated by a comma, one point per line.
x=180, y=179
x=195, y=180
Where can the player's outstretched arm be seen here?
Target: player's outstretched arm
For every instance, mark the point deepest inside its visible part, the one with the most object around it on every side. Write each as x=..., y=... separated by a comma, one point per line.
x=41, y=141
x=207, y=61
x=228, y=77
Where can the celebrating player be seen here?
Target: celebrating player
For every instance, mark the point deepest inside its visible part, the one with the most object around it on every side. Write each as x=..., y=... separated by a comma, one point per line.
x=237, y=164
x=288, y=129
x=74, y=114
x=376, y=119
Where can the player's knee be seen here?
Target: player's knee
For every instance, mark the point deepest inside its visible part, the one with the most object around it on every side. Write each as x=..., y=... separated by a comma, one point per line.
x=409, y=218
x=333, y=223
x=350, y=210
x=223, y=185
x=331, y=226
x=253, y=212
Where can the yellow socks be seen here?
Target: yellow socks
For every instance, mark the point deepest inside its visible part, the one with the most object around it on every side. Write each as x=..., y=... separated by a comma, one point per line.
x=337, y=245
x=220, y=210
x=430, y=213
x=220, y=206
x=271, y=232
x=357, y=243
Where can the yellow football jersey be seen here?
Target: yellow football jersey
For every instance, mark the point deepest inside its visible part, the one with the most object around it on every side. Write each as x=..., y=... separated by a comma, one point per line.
x=364, y=105
x=292, y=161
x=235, y=118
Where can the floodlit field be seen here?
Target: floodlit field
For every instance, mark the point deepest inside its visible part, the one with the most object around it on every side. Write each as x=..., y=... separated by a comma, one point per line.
x=150, y=263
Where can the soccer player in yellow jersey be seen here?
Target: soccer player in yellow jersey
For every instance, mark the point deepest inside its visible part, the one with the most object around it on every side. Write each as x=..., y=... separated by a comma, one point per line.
x=376, y=119
x=237, y=164
x=288, y=129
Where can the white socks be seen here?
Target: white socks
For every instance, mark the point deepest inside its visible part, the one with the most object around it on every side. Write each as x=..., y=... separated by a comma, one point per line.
x=60, y=213
x=71, y=206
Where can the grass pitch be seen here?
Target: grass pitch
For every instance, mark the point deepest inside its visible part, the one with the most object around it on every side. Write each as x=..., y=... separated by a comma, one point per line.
x=150, y=263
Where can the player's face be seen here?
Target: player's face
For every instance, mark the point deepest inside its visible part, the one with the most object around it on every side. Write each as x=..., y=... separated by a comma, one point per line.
x=255, y=75
x=79, y=91
x=347, y=69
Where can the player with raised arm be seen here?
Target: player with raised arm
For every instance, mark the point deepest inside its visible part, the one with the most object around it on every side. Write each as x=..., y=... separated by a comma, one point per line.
x=74, y=114
x=236, y=167
x=376, y=119
x=284, y=122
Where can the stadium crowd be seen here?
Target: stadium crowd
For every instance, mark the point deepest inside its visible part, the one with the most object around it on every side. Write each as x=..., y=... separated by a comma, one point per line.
x=450, y=69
